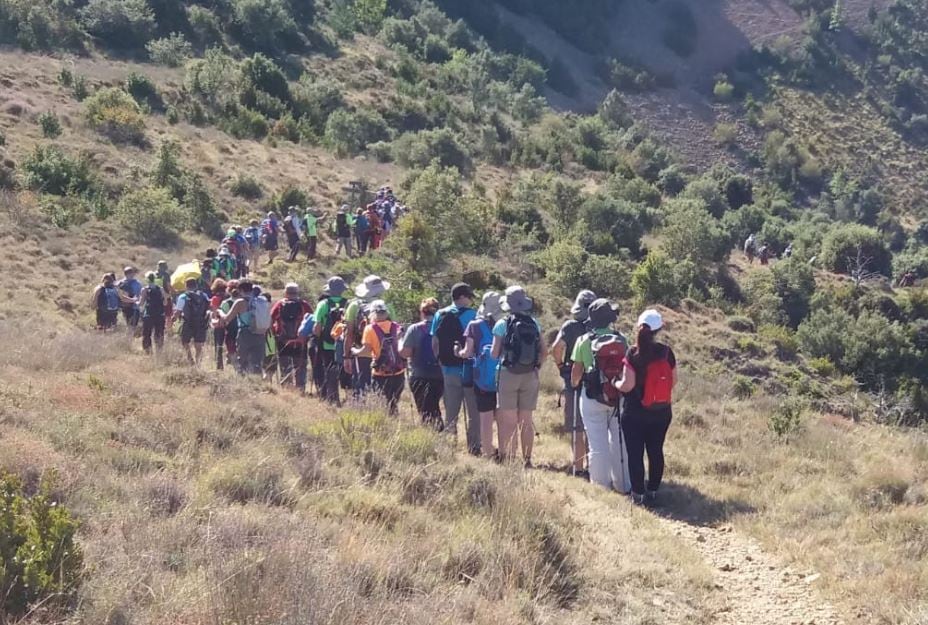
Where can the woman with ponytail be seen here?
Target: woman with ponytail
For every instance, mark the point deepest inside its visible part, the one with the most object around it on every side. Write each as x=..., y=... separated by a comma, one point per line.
x=648, y=379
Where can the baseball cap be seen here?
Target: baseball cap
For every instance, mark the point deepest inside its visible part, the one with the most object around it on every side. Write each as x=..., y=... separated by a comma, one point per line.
x=378, y=305
x=652, y=319
x=461, y=289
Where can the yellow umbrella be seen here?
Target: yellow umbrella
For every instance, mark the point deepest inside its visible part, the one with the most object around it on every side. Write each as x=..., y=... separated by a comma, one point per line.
x=183, y=273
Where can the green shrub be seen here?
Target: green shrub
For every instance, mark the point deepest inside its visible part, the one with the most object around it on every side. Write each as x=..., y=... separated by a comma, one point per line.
x=173, y=50
x=49, y=170
x=64, y=211
x=314, y=100
x=348, y=133
x=51, y=127
x=204, y=23
x=690, y=232
x=247, y=187
x=142, y=90
x=654, y=281
x=119, y=23
x=202, y=215
x=245, y=123
x=743, y=387
x=608, y=276
x=706, y=190
x=290, y=196
x=786, y=418
x=741, y=324
x=671, y=180
x=264, y=24
x=42, y=562
x=611, y=225
x=724, y=91
x=852, y=249
x=420, y=149
x=725, y=134
x=785, y=343
x=80, y=89
x=113, y=113
x=370, y=14
x=822, y=366
x=151, y=216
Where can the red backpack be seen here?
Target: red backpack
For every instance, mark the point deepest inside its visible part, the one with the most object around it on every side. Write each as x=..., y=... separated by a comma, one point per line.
x=658, y=383
x=608, y=363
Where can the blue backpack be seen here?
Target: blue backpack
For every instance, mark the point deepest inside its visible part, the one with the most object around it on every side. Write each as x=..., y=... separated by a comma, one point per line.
x=485, y=366
x=424, y=358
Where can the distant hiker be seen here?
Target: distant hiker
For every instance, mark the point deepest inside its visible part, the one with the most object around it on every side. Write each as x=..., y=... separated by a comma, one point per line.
x=234, y=244
x=163, y=279
x=106, y=302
x=130, y=288
x=750, y=248
x=362, y=231
x=343, y=223
x=287, y=316
x=252, y=315
x=311, y=219
x=520, y=346
x=562, y=351
x=447, y=337
x=193, y=308
x=788, y=252
x=478, y=347
x=152, y=304
x=426, y=382
x=220, y=294
x=293, y=228
x=907, y=279
x=306, y=334
x=649, y=377
x=598, y=362
x=226, y=264
x=356, y=318
x=381, y=340
x=764, y=254
x=375, y=227
x=329, y=312
x=270, y=236
x=252, y=235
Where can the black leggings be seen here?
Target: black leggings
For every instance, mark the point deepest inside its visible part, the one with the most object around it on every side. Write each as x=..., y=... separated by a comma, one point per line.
x=427, y=394
x=391, y=388
x=645, y=432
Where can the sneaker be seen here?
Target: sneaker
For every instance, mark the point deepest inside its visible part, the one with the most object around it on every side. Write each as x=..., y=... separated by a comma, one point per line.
x=528, y=463
x=651, y=497
x=637, y=499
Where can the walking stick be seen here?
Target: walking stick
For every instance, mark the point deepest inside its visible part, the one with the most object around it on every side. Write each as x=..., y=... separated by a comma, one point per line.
x=573, y=437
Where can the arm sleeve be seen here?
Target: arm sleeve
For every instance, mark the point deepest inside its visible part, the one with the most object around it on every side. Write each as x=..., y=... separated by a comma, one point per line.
x=671, y=358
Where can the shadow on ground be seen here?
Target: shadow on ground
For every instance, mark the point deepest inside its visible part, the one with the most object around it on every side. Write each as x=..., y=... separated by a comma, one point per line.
x=682, y=502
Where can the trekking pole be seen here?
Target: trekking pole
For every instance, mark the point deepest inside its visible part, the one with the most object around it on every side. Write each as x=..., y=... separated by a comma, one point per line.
x=573, y=434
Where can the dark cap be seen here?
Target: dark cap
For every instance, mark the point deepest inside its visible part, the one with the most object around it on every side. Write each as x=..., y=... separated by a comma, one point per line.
x=603, y=314
x=461, y=289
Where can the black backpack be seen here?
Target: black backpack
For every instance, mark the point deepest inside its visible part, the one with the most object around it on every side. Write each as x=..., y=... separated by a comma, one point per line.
x=522, y=345
x=571, y=332
x=291, y=317
x=195, y=309
x=336, y=312
x=341, y=225
x=449, y=332
x=154, y=303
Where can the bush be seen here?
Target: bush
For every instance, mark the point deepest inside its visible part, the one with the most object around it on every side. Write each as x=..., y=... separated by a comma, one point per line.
x=671, y=180
x=607, y=276
x=785, y=343
x=743, y=387
x=173, y=50
x=49, y=170
x=725, y=134
x=51, y=127
x=852, y=248
x=151, y=216
x=42, y=562
x=202, y=215
x=265, y=25
x=612, y=225
x=741, y=324
x=654, y=281
x=64, y=211
x=786, y=418
x=245, y=123
x=706, y=191
x=723, y=90
x=421, y=148
x=314, y=100
x=247, y=187
x=822, y=366
x=113, y=113
x=349, y=132
x=119, y=23
x=691, y=233
x=142, y=90
x=80, y=89
x=290, y=196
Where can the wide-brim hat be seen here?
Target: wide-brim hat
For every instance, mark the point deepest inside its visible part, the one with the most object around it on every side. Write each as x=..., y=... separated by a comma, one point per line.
x=602, y=313
x=515, y=300
x=372, y=286
x=581, y=308
x=335, y=286
x=490, y=306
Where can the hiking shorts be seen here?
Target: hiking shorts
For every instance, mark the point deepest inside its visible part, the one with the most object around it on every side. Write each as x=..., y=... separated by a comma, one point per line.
x=189, y=332
x=107, y=319
x=271, y=244
x=486, y=400
x=518, y=391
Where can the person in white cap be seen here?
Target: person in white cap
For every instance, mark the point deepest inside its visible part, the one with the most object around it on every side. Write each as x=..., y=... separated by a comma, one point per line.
x=356, y=317
x=648, y=379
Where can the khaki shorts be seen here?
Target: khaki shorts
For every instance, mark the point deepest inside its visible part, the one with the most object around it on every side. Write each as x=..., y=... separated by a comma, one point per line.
x=517, y=391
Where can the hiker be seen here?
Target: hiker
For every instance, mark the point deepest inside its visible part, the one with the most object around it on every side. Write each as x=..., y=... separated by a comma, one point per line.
x=293, y=228
x=208, y=272
x=152, y=304
x=598, y=361
x=106, y=302
x=750, y=247
x=163, y=279
x=130, y=288
x=329, y=312
x=375, y=226
x=764, y=254
x=518, y=343
x=287, y=316
x=220, y=295
x=306, y=334
x=343, y=223
x=270, y=234
x=447, y=336
x=478, y=345
x=362, y=232
x=648, y=378
x=227, y=268
x=356, y=318
x=907, y=279
x=562, y=351
x=234, y=244
x=252, y=235
x=381, y=341
x=252, y=315
x=311, y=219
x=788, y=252
x=193, y=307
x=425, y=379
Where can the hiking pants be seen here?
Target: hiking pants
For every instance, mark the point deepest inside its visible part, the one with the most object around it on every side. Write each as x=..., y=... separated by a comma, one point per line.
x=361, y=376
x=364, y=241
x=427, y=393
x=311, y=247
x=457, y=394
x=608, y=459
x=152, y=326
x=318, y=373
x=330, y=381
x=645, y=433
x=344, y=242
x=391, y=388
x=293, y=241
x=250, y=349
x=293, y=365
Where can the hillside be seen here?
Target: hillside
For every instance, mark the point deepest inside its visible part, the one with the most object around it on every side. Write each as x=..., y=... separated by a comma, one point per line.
x=629, y=147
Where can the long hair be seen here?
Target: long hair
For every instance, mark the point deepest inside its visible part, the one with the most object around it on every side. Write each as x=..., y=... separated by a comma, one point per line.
x=646, y=344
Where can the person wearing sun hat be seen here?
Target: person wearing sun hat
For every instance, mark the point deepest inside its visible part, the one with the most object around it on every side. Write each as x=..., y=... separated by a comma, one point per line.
x=329, y=312
x=648, y=379
x=562, y=351
x=372, y=287
x=519, y=344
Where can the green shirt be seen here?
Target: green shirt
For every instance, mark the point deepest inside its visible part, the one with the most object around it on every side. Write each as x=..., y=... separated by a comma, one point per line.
x=322, y=314
x=310, y=220
x=351, y=313
x=583, y=349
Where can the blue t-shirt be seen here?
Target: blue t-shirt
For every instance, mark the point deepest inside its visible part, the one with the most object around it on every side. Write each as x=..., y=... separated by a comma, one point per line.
x=466, y=315
x=131, y=287
x=306, y=328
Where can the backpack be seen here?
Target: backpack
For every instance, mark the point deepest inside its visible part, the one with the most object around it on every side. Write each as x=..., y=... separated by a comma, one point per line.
x=253, y=236
x=657, y=390
x=108, y=299
x=341, y=225
x=195, y=309
x=485, y=366
x=336, y=312
x=522, y=344
x=260, y=310
x=424, y=358
x=571, y=333
x=291, y=317
x=360, y=321
x=389, y=362
x=608, y=363
x=154, y=303
x=449, y=332
x=231, y=244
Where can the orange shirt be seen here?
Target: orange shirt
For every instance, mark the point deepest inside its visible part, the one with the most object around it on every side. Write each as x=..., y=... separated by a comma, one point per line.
x=369, y=339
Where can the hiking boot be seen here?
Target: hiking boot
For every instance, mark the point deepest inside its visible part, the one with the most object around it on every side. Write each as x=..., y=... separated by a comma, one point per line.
x=637, y=499
x=528, y=463
x=583, y=474
x=650, y=497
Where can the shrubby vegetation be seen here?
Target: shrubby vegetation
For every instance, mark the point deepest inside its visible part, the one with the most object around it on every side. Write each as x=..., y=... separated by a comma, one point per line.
x=113, y=113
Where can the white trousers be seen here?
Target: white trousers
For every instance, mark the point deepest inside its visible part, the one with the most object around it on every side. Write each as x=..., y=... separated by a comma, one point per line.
x=608, y=459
